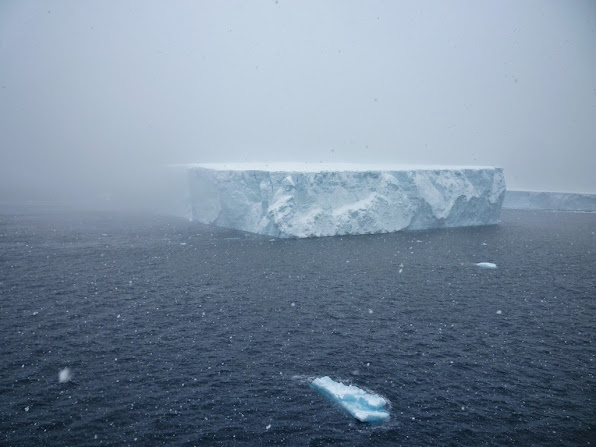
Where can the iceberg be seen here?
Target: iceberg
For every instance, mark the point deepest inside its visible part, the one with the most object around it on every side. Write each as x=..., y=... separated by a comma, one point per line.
x=366, y=407
x=559, y=201
x=318, y=199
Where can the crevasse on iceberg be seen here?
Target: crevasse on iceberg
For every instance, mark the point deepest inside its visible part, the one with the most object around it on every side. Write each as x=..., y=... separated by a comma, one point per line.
x=310, y=200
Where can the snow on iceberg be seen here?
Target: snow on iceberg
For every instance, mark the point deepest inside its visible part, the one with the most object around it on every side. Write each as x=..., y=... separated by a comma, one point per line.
x=308, y=200
x=366, y=407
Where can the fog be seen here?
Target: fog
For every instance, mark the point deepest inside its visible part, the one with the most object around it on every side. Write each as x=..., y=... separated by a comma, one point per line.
x=96, y=96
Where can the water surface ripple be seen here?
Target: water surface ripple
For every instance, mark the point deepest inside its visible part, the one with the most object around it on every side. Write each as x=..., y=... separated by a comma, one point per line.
x=181, y=334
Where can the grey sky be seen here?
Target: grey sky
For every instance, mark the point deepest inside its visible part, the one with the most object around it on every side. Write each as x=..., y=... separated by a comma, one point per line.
x=94, y=93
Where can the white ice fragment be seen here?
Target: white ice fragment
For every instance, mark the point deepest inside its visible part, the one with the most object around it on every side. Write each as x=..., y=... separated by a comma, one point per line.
x=182, y=243
x=364, y=406
x=268, y=427
x=499, y=312
x=486, y=265
x=26, y=408
x=293, y=304
x=370, y=311
x=64, y=375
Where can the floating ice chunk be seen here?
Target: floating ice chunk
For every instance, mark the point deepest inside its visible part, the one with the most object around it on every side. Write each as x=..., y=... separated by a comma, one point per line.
x=486, y=265
x=64, y=375
x=366, y=407
x=310, y=200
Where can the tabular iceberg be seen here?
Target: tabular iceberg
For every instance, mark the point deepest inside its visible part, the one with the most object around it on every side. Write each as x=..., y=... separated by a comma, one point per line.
x=560, y=201
x=486, y=265
x=366, y=407
x=309, y=200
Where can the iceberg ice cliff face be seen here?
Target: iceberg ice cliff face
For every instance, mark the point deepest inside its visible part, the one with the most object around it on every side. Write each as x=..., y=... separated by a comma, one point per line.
x=309, y=200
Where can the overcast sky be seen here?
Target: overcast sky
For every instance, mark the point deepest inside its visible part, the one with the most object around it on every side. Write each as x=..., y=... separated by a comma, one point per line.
x=92, y=93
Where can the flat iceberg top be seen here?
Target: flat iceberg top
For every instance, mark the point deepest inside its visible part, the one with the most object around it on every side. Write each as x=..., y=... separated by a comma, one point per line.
x=366, y=407
x=326, y=167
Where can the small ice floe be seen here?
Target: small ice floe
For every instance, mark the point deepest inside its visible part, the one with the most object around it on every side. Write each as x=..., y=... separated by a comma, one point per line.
x=182, y=243
x=64, y=375
x=499, y=312
x=486, y=265
x=366, y=407
x=268, y=427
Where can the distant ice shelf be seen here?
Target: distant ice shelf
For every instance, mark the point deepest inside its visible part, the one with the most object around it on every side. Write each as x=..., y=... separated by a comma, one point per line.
x=317, y=199
x=559, y=201
x=364, y=406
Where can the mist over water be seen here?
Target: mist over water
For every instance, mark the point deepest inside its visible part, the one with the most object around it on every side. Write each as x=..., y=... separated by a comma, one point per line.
x=96, y=96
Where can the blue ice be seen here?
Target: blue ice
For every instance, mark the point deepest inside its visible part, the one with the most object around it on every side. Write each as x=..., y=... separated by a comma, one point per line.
x=366, y=407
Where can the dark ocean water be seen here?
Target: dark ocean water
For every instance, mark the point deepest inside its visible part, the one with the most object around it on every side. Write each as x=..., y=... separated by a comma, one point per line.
x=181, y=334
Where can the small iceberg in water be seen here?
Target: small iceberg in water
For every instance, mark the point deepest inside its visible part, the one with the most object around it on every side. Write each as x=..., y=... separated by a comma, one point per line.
x=366, y=407
x=486, y=265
